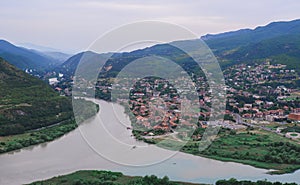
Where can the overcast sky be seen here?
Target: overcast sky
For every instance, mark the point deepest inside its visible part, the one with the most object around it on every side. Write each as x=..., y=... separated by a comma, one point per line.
x=71, y=25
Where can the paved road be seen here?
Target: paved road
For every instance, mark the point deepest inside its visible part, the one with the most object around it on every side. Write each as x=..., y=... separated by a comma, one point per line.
x=240, y=121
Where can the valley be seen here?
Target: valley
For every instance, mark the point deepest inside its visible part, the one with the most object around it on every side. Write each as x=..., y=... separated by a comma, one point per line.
x=259, y=125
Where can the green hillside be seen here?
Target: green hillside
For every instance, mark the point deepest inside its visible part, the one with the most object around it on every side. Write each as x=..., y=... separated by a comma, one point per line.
x=24, y=58
x=27, y=103
x=280, y=50
x=234, y=39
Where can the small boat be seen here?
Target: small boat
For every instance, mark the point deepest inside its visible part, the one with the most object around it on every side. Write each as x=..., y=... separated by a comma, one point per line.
x=134, y=147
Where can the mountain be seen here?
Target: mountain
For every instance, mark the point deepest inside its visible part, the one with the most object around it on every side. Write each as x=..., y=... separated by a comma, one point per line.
x=278, y=41
x=52, y=53
x=69, y=67
x=279, y=50
x=289, y=45
x=38, y=47
x=61, y=57
x=117, y=61
x=28, y=103
x=57, y=58
x=24, y=58
x=234, y=39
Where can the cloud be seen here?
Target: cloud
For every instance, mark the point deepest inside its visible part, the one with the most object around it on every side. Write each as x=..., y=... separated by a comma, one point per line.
x=73, y=24
x=122, y=5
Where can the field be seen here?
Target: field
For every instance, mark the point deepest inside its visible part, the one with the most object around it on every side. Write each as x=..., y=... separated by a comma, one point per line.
x=256, y=148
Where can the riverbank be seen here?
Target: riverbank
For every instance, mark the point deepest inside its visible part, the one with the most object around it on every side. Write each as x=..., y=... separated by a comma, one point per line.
x=256, y=148
x=71, y=153
x=16, y=142
x=93, y=177
x=49, y=133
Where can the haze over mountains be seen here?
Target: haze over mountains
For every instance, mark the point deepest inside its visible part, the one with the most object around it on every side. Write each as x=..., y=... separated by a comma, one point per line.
x=27, y=59
x=278, y=42
x=230, y=40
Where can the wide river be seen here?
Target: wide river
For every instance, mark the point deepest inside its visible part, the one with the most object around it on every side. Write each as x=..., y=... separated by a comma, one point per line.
x=104, y=143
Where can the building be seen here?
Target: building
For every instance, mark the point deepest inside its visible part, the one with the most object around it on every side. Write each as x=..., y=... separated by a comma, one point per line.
x=294, y=116
x=53, y=81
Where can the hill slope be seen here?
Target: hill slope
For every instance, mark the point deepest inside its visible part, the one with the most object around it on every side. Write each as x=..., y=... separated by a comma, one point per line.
x=279, y=50
x=234, y=39
x=278, y=41
x=27, y=103
x=24, y=58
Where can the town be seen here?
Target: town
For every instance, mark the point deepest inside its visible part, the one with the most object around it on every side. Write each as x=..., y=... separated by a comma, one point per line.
x=258, y=95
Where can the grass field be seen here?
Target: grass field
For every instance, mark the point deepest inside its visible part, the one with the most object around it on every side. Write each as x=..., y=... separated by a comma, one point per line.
x=256, y=148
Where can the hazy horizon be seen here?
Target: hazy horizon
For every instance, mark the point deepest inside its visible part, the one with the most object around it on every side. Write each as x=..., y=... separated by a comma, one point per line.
x=71, y=26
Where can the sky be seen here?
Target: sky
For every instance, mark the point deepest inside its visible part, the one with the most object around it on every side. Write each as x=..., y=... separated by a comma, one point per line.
x=72, y=25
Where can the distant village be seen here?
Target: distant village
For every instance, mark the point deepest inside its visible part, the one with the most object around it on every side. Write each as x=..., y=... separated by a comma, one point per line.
x=255, y=94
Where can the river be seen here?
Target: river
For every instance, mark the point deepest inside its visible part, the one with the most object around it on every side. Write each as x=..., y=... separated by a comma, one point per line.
x=104, y=143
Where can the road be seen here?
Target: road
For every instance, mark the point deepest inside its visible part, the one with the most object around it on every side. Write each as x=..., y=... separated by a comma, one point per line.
x=239, y=120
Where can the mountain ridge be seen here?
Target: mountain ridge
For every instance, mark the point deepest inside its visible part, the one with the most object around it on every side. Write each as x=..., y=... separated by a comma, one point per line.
x=28, y=103
x=24, y=58
x=233, y=39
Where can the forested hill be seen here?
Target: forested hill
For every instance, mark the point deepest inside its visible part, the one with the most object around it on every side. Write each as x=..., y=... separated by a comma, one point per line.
x=243, y=37
x=28, y=103
x=277, y=42
x=24, y=58
x=279, y=50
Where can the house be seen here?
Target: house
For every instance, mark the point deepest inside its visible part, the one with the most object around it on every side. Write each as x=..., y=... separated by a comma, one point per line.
x=53, y=81
x=259, y=115
x=139, y=94
x=248, y=106
x=294, y=116
x=247, y=115
x=58, y=89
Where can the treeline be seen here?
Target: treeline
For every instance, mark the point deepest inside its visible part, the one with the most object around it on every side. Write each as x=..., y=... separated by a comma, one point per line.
x=236, y=182
x=36, y=137
x=259, y=150
x=33, y=114
x=33, y=137
x=94, y=177
x=282, y=153
x=27, y=103
x=277, y=152
x=109, y=180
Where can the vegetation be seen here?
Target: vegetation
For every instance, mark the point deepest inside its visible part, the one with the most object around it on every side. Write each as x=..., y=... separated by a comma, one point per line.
x=94, y=177
x=15, y=142
x=257, y=148
x=25, y=58
x=46, y=134
x=106, y=178
x=28, y=103
x=235, y=182
x=31, y=112
x=291, y=129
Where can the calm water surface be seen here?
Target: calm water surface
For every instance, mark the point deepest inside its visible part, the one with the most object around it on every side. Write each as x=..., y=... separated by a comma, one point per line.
x=104, y=143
